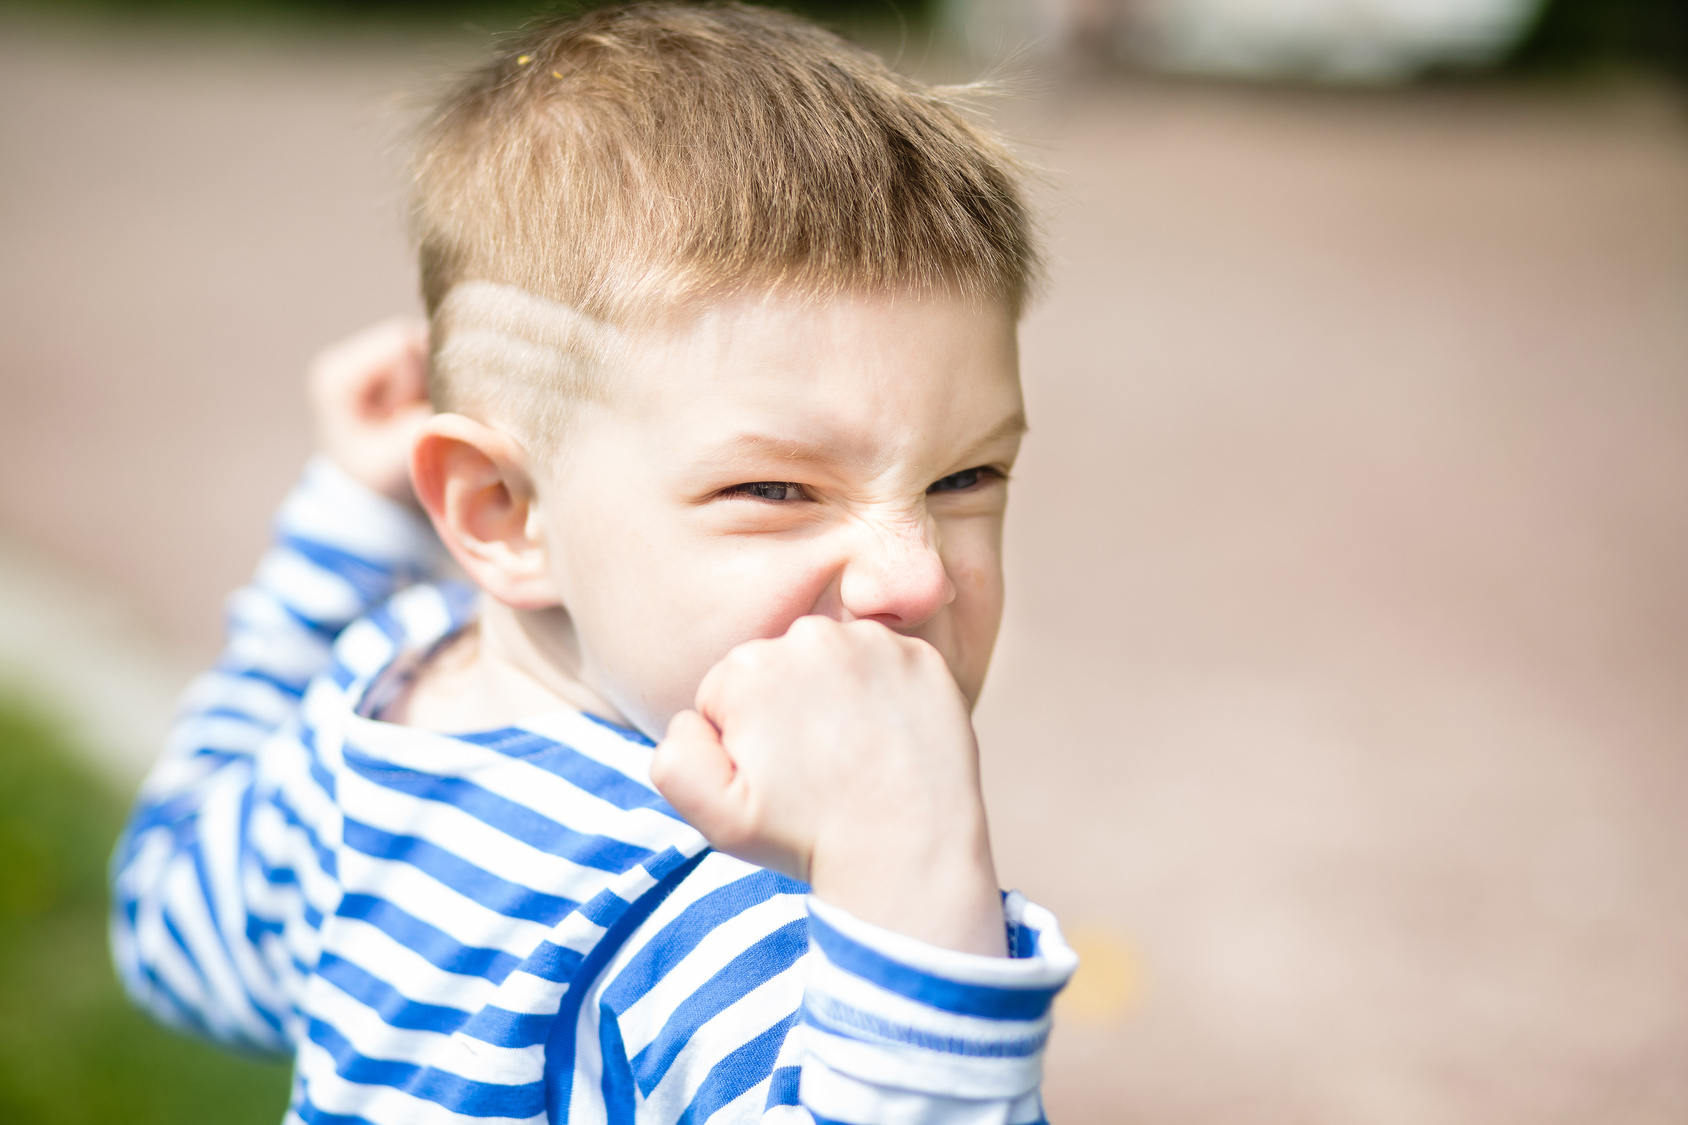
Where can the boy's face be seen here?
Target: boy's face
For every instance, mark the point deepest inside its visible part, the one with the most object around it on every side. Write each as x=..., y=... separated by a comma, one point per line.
x=773, y=458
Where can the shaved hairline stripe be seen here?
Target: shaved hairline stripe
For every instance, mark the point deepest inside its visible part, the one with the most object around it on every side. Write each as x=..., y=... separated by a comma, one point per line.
x=487, y=333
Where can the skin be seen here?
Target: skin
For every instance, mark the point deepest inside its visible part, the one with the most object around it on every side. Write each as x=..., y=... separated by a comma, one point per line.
x=779, y=541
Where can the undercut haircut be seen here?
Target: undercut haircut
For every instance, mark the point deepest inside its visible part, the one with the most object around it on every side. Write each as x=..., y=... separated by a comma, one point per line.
x=619, y=164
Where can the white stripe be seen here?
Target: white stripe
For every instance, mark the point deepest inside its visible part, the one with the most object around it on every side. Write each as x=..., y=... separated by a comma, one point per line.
x=526, y=994
x=263, y=701
x=929, y=1072
x=523, y=783
x=373, y=1038
x=313, y=591
x=465, y=836
x=841, y=1098
x=425, y=898
x=423, y=613
x=386, y=958
x=643, y=1021
x=363, y=648
x=329, y=507
x=595, y=741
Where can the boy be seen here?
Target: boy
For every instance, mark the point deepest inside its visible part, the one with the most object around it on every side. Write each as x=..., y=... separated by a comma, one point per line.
x=722, y=349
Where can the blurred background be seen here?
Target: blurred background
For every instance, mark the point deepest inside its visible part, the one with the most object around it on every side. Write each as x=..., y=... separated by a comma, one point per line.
x=1342, y=707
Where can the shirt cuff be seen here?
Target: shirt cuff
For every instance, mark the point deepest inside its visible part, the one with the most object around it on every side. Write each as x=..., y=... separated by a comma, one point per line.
x=882, y=1009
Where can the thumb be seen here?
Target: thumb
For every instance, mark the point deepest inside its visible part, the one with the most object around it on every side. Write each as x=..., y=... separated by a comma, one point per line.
x=694, y=773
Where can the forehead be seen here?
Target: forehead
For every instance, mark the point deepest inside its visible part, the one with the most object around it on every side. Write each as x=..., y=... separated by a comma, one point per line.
x=876, y=369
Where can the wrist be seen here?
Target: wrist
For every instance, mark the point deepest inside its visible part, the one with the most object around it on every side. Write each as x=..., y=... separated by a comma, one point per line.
x=941, y=890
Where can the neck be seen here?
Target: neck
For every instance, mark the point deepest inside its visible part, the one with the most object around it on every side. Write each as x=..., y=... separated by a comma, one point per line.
x=512, y=664
x=536, y=652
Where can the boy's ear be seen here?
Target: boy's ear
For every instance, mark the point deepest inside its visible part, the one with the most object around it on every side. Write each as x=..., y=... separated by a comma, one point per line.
x=474, y=483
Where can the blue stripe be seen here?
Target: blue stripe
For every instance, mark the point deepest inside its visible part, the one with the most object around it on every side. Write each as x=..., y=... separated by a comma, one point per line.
x=682, y=935
x=849, y=1022
x=235, y=715
x=603, y=908
x=671, y=858
x=326, y=630
x=783, y=1086
x=762, y=962
x=499, y=895
x=435, y=946
x=553, y=962
x=187, y=954
x=571, y=765
x=984, y=1000
x=454, y=1092
x=369, y=579
x=394, y=1008
x=177, y=1010
x=559, y=1048
x=326, y=861
x=512, y=819
x=740, y=1070
x=294, y=689
x=391, y=627
x=257, y=929
x=628, y=733
x=322, y=777
x=616, y=1085
x=504, y=1028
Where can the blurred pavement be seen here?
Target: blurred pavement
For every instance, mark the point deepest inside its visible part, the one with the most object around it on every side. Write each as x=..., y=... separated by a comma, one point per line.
x=1342, y=708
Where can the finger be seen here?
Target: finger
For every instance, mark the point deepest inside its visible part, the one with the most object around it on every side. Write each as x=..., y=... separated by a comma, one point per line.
x=394, y=378
x=345, y=373
x=411, y=373
x=694, y=773
x=719, y=685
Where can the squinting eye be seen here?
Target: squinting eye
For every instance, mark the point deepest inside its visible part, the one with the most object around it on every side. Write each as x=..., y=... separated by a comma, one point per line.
x=965, y=479
x=770, y=490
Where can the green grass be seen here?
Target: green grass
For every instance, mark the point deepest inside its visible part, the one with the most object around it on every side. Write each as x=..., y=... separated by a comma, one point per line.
x=72, y=1049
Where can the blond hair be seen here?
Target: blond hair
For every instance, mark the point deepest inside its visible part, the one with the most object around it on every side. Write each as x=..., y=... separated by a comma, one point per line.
x=620, y=163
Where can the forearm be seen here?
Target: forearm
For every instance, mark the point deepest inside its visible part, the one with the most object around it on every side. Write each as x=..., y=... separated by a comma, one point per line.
x=193, y=901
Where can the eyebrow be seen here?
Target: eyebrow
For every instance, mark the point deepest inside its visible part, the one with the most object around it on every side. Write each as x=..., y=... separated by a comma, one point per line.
x=795, y=449
x=1013, y=425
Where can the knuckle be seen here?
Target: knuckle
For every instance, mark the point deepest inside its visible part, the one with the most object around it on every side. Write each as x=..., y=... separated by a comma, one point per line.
x=812, y=627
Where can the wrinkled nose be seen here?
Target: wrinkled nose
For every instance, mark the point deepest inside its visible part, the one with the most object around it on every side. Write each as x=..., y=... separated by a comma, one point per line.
x=894, y=574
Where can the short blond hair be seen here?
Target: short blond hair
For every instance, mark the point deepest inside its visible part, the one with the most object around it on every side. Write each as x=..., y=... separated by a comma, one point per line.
x=627, y=160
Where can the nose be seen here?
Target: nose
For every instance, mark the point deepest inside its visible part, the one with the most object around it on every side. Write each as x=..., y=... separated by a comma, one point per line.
x=895, y=574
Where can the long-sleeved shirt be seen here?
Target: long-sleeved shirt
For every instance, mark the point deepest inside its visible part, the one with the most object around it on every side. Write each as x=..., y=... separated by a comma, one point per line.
x=511, y=925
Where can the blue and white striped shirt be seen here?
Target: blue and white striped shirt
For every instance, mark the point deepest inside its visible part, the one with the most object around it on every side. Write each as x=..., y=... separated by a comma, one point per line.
x=512, y=925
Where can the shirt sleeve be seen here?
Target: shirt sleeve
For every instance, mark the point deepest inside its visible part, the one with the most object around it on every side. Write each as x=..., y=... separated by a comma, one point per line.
x=898, y=1032
x=210, y=930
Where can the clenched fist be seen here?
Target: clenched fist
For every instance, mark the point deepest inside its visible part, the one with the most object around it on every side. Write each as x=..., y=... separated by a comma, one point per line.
x=369, y=394
x=843, y=755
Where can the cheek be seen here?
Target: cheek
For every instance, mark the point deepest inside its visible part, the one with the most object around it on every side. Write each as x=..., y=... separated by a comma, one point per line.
x=975, y=568
x=656, y=614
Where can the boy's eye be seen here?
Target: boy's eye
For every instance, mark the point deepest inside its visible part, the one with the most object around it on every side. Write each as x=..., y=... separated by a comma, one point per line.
x=965, y=479
x=770, y=490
